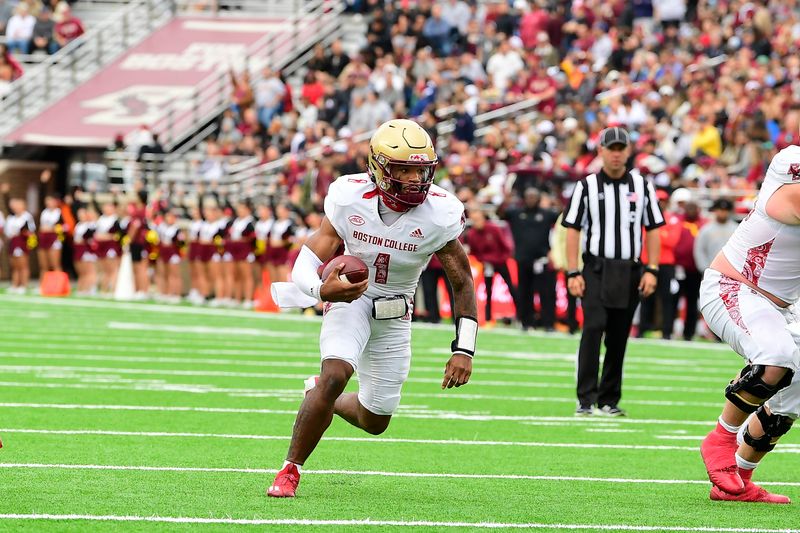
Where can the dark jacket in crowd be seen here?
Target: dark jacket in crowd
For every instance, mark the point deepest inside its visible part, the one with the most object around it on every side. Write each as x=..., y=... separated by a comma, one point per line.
x=531, y=231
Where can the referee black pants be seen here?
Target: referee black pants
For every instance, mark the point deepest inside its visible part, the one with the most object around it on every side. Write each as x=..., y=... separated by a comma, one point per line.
x=616, y=325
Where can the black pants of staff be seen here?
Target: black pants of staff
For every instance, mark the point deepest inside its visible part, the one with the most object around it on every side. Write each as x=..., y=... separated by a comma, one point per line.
x=543, y=284
x=690, y=289
x=665, y=300
x=502, y=270
x=572, y=313
x=615, y=324
x=430, y=291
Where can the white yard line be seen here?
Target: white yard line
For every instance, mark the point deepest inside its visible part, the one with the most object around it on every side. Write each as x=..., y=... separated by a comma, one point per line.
x=295, y=393
x=443, y=415
x=312, y=364
x=783, y=448
x=443, y=442
x=384, y=523
x=203, y=330
x=44, y=369
x=282, y=349
x=378, y=474
x=153, y=308
x=184, y=310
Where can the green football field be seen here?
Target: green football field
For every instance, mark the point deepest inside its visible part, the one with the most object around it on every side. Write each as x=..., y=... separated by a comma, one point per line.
x=148, y=417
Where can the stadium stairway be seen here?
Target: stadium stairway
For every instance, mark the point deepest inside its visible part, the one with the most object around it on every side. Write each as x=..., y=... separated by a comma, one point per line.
x=278, y=33
x=112, y=27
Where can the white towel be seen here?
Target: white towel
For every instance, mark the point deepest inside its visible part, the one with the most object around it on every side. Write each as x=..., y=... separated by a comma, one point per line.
x=288, y=296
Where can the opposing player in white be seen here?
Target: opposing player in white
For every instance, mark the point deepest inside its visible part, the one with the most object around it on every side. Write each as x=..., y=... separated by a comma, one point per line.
x=748, y=297
x=394, y=219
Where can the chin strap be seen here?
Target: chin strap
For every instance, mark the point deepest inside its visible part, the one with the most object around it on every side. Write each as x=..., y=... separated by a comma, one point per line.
x=466, y=336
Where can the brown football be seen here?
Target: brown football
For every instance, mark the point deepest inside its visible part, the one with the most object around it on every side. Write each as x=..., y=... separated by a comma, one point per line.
x=354, y=268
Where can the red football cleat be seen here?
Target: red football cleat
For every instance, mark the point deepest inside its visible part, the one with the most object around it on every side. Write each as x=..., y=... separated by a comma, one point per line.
x=752, y=493
x=285, y=484
x=719, y=455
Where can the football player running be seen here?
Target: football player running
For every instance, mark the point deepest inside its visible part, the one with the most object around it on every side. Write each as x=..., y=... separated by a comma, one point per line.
x=748, y=298
x=394, y=219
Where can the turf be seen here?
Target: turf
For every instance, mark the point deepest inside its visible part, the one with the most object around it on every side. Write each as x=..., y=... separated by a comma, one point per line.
x=89, y=382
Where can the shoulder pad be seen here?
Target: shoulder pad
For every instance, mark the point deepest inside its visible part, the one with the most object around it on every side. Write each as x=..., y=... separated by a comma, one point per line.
x=447, y=209
x=348, y=189
x=785, y=166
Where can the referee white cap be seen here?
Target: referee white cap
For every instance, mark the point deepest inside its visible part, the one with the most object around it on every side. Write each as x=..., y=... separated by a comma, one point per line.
x=614, y=135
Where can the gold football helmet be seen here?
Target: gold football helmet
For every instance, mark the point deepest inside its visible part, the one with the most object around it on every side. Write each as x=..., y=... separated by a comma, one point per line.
x=401, y=142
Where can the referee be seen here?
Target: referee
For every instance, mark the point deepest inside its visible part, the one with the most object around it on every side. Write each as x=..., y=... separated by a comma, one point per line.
x=610, y=208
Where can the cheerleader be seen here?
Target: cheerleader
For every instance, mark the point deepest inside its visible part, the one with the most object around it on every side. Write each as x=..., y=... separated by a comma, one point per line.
x=138, y=231
x=107, y=236
x=239, y=257
x=20, y=230
x=171, y=240
x=210, y=258
x=280, y=242
x=51, y=235
x=216, y=273
x=83, y=251
x=199, y=291
x=262, y=229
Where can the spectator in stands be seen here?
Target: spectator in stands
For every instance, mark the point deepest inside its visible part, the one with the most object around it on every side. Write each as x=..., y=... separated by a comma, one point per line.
x=491, y=247
x=19, y=30
x=269, y=94
x=503, y=66
x=714, y=234
x=313, y=88
x=6, y=11
x=44, y=33
x=241, y=92
x=319, y=59
x=337, y=60
x=6, y=74
x=68, y=27
x=664, y=297
x=16, y=69
x=464, y=125
x=438, y=32
x=707, y=140
x=686, y=272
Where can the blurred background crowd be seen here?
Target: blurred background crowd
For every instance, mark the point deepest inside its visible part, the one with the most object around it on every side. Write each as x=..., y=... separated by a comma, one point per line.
x=709, y=89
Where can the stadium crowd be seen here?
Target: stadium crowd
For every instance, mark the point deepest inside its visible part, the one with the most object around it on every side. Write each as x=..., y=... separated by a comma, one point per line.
x=709, y=91
x=33, y=27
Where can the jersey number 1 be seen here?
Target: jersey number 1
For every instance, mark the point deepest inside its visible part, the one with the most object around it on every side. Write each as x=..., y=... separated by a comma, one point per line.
x=382, y=268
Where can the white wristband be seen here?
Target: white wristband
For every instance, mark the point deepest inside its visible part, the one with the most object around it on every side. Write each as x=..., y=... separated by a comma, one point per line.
x=466, y=336
x=304, y=273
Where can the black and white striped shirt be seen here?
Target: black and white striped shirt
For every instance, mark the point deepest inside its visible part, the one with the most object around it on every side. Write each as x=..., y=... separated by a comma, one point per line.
x=612, y=212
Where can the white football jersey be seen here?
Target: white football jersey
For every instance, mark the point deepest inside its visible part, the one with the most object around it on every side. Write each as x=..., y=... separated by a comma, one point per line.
x=50, y=217
x=398, y=253
x=15, y=224
x=765, y=251
x=263, y=227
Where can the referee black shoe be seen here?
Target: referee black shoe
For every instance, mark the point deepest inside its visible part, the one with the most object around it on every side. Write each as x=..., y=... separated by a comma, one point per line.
x=584, y=410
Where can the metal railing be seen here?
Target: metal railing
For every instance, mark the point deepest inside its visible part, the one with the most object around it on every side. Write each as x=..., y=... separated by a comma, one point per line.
x=310, y=22
x=75, y=63
x=248, y=176
x=212, y=96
